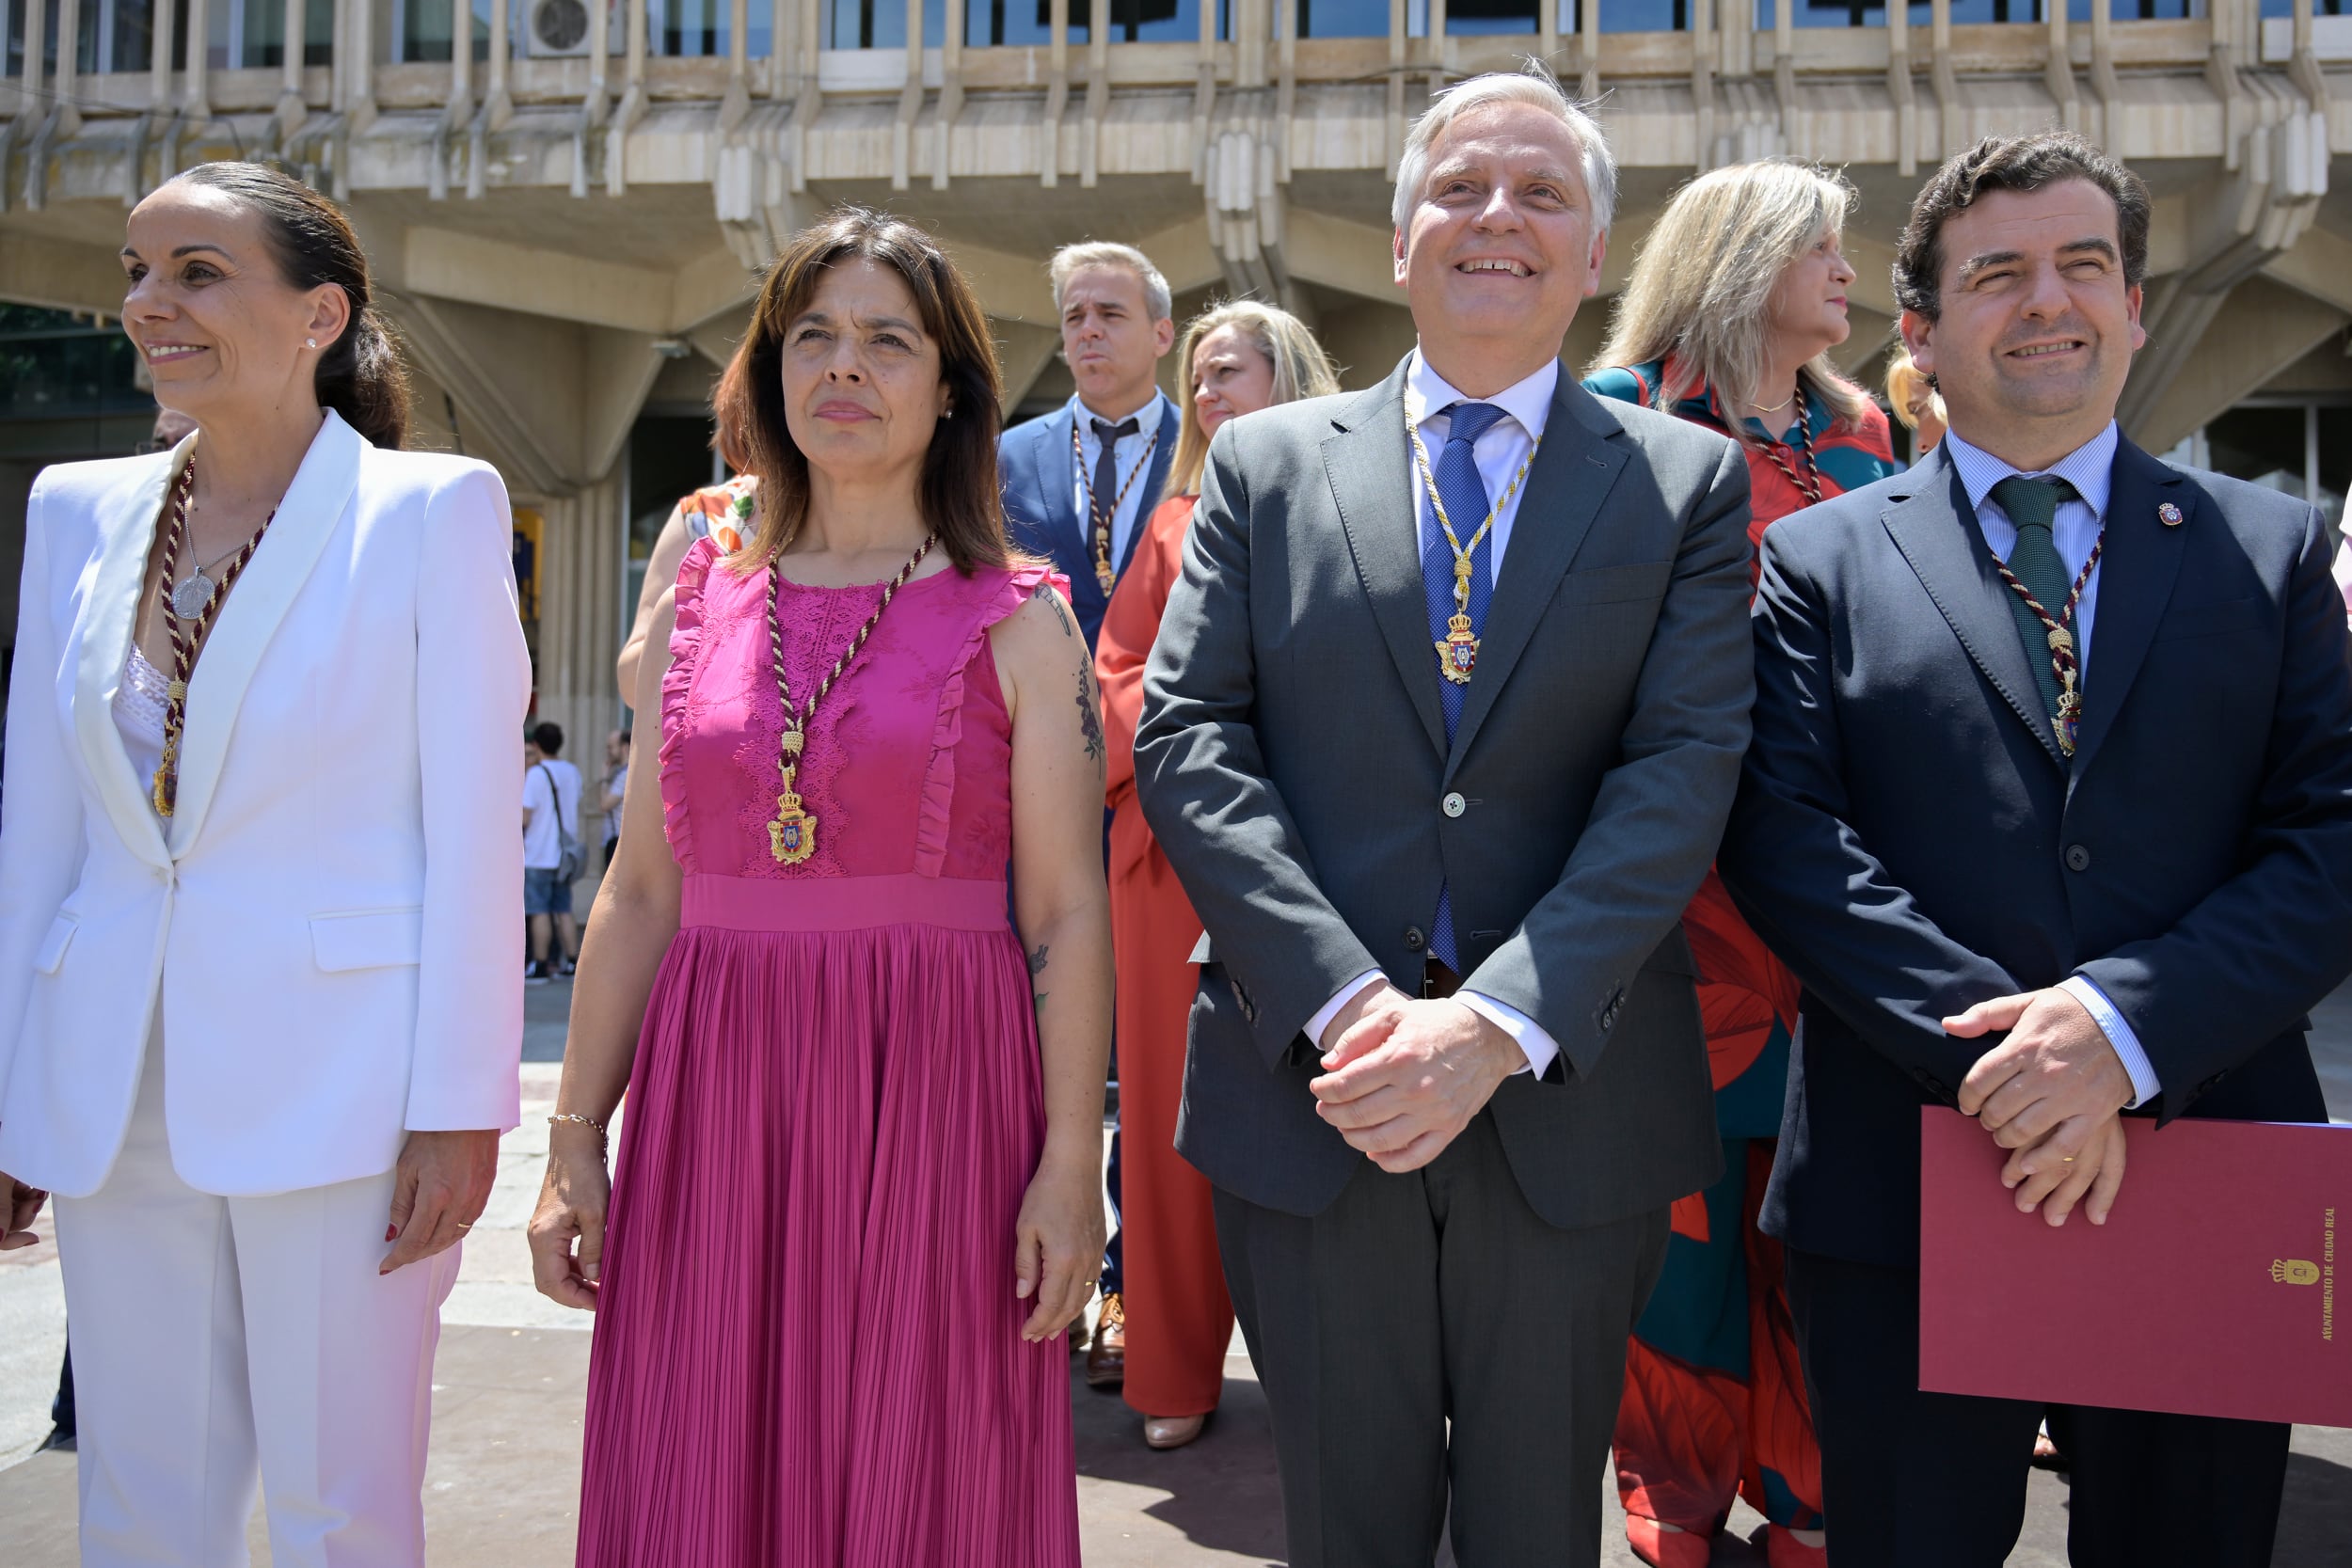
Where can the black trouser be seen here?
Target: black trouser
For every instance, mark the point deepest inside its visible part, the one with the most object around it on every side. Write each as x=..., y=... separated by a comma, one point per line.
x=1914, y=1479
x=1431, y=1297
x=61, y=1409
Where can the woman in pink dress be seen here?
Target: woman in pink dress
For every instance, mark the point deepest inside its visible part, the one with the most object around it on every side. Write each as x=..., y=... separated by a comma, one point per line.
x=848, y=1076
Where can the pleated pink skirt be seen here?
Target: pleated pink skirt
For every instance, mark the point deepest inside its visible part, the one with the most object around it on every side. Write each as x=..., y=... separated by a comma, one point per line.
x=807, y=1347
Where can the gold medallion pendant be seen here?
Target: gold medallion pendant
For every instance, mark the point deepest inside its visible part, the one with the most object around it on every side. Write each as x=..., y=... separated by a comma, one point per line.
x=1457, y=656
x=2068, y=723
x=792, y=833
x=1105, y=576
x=792, y=836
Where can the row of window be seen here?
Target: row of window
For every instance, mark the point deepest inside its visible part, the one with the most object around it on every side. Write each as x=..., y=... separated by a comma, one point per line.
x=116, y=34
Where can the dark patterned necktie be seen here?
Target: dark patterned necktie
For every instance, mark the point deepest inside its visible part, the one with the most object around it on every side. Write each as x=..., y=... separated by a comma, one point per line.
x=2032, y=505
x=1105, y=495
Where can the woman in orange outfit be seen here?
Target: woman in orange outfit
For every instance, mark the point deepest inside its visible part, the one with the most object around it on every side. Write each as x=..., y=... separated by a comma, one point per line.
x=1734, y=303
x=1237, y=358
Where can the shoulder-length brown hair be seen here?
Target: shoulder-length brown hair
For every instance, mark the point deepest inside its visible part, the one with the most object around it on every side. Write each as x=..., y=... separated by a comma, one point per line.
x=958, y=491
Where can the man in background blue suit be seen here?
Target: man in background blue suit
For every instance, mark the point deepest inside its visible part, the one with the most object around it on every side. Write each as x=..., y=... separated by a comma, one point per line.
x=1079, y=482
x=1079, y=485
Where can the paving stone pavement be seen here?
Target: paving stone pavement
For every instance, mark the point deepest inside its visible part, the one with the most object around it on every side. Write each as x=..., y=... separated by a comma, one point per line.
x=501, y=1488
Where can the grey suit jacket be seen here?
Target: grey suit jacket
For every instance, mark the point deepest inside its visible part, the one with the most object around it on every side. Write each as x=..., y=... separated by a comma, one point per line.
x=1292, y=760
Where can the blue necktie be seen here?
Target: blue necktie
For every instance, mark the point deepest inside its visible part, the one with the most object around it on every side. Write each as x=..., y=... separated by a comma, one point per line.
x=1466, y=503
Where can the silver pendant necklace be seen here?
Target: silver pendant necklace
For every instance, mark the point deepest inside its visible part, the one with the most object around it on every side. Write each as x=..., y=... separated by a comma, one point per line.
x=191, y=598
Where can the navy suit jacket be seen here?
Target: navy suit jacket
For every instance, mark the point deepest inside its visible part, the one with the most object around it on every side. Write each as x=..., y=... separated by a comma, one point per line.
x=1041, y=508
x=1909, y=840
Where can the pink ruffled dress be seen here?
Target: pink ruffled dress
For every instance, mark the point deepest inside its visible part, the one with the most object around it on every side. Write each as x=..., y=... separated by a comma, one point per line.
x=835, y=1112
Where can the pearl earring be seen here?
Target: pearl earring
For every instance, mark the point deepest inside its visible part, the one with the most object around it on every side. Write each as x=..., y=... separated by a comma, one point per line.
x=310, y=342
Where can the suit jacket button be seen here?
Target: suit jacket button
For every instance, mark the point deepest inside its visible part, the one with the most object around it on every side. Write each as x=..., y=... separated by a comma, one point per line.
x=1454, y=805
x=1414, y=941
x=2077, y=858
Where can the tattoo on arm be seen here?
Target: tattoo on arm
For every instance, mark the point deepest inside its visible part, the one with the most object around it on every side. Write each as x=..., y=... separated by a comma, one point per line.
x=1045, y=590
x=1089, y=715
x=1037, y=967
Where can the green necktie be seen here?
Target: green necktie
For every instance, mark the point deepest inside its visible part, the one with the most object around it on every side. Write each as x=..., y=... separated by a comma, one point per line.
x=2032, y=504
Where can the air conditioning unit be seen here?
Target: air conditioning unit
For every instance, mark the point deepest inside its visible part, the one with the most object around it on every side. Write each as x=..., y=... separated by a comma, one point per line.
x=559, y=28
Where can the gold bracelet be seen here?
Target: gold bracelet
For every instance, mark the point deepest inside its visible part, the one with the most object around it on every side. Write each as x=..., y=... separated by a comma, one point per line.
x=584, y=1121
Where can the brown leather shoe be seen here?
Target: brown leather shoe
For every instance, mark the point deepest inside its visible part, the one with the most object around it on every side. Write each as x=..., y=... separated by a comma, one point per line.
x=1106, y=1358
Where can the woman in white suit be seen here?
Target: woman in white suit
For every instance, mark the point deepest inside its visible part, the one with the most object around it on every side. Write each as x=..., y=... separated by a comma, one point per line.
x=260, y=899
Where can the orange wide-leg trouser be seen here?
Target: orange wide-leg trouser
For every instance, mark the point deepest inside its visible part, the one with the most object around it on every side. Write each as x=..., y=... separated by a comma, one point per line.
x=1179, y=1318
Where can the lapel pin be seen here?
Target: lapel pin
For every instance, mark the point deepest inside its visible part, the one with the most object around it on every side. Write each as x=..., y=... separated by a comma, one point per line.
x=2168, y=515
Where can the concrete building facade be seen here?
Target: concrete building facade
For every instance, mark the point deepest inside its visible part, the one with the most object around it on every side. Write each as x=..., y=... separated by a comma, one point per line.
x=566, y=215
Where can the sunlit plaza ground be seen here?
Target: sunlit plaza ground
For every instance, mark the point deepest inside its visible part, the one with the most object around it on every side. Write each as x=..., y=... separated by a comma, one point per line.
x=502, y=1488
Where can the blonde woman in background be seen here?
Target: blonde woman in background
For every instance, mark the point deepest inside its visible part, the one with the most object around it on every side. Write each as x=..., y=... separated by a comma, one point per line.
x=1237, y=358
x=1911, y=392
x=1735, y=302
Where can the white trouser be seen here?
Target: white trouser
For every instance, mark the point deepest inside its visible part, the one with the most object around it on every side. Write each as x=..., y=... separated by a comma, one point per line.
x=216, y=1337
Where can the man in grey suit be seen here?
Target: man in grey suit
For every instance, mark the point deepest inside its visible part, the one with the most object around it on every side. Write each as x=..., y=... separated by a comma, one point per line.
x=1440, y=730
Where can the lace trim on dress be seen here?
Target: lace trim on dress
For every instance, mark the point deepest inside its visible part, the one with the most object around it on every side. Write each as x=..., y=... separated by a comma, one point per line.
x=816, y=623
x=939, y=780
x=140, y=700
x=677, y=683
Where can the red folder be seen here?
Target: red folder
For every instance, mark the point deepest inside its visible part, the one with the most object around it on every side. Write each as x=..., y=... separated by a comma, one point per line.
x=2211, y=1291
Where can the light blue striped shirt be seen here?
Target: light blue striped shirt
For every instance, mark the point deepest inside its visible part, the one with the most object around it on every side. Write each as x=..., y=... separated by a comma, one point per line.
x=2091, y=469
x=1132, y=456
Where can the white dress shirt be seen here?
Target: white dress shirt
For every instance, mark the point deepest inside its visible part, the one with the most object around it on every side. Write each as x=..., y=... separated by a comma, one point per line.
x=1498, y=454
x=2091, y=469
x=1130, y=453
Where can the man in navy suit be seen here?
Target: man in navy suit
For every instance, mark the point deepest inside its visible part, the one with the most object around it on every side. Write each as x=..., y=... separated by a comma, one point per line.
x=2044, y=862
x=1079, y=485
x=1080, y=481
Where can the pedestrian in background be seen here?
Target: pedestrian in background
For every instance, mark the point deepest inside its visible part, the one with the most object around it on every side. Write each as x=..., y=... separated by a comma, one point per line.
x=615, y=784
x=551, y=854
x=259, y=1024
x=848, y=1084
x=1236, y=359
x=2042, y=900
x=1734, y=303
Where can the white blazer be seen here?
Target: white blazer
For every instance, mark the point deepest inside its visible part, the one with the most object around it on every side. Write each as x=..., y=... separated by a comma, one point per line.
x=332, y=920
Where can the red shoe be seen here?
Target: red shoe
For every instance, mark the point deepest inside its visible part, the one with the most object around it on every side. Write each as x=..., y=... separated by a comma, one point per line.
x=1667, y=1548
x=1781, y=1549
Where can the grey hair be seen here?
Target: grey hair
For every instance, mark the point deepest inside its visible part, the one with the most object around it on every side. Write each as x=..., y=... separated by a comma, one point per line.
x=1532, y=84
x=1071, y=259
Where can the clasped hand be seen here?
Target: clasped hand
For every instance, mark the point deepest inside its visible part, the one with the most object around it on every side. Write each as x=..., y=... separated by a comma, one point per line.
x=2050, y=1092
x=1401, y=1078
